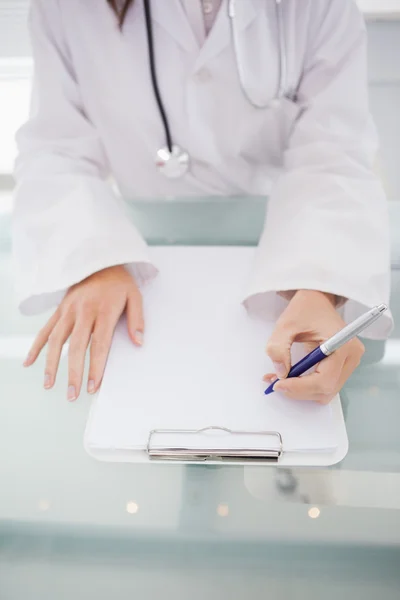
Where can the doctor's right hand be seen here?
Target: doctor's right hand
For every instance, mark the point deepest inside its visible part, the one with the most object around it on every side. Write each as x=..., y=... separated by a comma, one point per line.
x=89, y=313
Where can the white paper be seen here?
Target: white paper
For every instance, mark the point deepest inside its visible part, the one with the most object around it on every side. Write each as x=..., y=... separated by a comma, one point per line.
x=201, y=364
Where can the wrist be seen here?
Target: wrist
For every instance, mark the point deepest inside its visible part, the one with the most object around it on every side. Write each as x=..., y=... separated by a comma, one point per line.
x=313, y=293
x=335, y=301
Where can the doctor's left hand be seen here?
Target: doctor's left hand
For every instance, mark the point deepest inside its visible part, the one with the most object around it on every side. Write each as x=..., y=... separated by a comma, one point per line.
x=311, y=318
x=88, y=314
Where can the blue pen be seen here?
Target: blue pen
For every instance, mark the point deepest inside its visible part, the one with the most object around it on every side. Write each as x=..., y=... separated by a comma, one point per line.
x=334, y=343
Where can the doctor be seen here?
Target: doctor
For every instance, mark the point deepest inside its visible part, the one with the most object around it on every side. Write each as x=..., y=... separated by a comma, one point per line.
x=193, y=98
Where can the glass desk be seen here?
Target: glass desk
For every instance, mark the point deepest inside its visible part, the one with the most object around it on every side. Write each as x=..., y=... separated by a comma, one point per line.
x=71, y=527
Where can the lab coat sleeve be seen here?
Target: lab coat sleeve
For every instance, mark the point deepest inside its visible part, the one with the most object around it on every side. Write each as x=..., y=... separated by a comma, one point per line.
x=327, y=218
x=67, y=222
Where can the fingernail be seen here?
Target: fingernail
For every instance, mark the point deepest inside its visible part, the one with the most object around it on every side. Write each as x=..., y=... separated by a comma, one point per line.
x=71, y=393
x=47, y=381
x=28, y=360
x=91, y=387
x=139, y=338
x=280, y=369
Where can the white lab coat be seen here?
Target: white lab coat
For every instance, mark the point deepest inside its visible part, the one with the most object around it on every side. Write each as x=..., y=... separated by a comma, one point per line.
x=94, y=114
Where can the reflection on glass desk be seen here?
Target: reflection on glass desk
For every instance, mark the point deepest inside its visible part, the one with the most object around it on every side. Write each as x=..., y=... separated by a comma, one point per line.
x=71, y=527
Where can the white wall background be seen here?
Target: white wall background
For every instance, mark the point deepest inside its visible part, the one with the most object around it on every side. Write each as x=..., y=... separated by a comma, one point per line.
x=384, y=78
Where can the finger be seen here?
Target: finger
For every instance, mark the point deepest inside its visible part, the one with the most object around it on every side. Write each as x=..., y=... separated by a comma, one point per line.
x=320, y=386
x=79, y=342
x=348, y=368
x=99, y=349
x=278, y=348
x=351, y=355
x=270, y=377
x=41, y=340
x=56, y=340
x=353, y=358
x=134, y=315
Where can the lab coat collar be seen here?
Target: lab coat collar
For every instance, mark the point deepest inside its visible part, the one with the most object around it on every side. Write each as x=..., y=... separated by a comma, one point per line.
x=172, y=17
x=220, y=35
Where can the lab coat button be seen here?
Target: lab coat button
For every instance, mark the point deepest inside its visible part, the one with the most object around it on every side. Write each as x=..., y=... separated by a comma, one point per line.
x=203, y=75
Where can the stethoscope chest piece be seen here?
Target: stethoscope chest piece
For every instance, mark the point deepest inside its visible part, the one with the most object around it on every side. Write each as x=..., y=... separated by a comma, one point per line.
x=172, y=164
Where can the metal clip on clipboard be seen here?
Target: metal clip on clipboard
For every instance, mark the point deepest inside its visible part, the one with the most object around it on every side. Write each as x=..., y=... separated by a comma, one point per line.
x=182, y=453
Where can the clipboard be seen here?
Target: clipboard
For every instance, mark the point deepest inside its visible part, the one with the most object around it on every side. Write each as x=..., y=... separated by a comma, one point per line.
x=223, y=417
x=264, y=456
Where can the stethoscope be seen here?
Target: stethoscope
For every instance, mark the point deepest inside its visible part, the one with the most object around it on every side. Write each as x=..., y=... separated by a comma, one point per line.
x=172, y=160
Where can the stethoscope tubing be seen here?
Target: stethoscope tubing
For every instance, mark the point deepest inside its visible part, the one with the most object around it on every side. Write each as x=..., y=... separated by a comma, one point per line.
x=153, y=74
